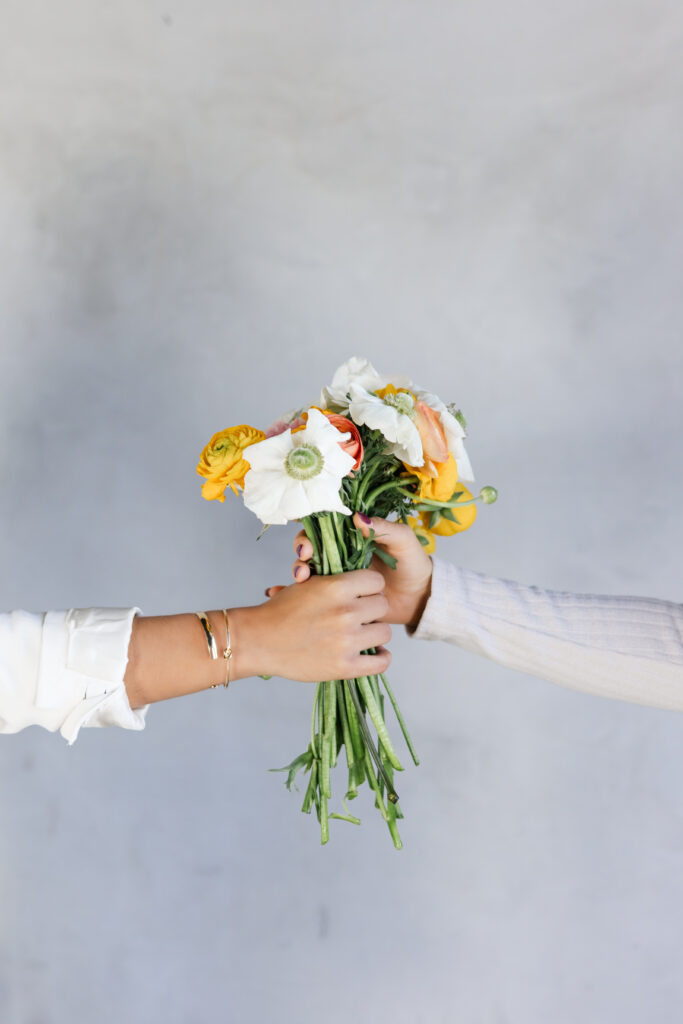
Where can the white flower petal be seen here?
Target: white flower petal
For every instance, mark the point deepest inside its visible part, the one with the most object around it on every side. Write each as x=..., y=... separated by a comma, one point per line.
x=264, y=493
x=321, y=432
x=361, y=372
x=323, y=497
x=398, y=428
x=277, y=497
x=270, y=453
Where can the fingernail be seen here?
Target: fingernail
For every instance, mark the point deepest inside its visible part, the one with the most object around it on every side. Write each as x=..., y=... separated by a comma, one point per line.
x=267, y=591
x=366, y=519
x=299, y=550
x=297, y=571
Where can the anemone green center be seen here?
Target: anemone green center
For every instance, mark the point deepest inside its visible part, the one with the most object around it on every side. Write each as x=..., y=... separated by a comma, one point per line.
x=402, y=402
x=304, y=461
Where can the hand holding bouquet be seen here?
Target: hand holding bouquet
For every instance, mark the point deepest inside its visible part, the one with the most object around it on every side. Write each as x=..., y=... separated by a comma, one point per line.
x=377, y=446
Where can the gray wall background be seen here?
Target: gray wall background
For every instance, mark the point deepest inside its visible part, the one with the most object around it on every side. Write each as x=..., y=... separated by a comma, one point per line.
x=204, y=209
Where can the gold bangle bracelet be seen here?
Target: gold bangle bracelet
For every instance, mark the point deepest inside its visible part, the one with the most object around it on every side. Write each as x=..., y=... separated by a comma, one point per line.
x=210, y=639
x=227, y=653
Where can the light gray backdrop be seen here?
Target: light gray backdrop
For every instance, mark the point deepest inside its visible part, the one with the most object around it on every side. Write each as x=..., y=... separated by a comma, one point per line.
x=204, y=209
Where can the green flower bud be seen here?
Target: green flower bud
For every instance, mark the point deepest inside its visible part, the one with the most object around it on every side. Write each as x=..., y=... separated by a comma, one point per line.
x=488, y=495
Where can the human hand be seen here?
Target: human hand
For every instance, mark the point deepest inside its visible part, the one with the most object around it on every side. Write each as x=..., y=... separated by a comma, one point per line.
x=407, y=586
x=316, y=632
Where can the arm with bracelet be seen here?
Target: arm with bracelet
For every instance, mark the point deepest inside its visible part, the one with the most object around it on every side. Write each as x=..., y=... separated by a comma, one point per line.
x=105, y=666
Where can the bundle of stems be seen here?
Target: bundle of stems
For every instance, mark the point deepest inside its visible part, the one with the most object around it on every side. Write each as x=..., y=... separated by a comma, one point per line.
x=348, y=714
x=347, y=711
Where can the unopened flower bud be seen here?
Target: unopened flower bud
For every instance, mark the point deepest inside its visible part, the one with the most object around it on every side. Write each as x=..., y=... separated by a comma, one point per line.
x=488, y=495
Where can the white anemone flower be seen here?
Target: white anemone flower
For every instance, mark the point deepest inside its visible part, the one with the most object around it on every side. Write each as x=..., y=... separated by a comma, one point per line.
x=393, y=416
x=294, y=475
x=454, y=434
x=362, y=373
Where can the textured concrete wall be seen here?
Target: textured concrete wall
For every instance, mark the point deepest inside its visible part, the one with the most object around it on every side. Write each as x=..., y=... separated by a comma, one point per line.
x=203, y=210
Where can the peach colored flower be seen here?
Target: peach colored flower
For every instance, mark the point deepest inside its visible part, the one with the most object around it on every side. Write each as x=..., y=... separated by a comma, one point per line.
x=432, y=435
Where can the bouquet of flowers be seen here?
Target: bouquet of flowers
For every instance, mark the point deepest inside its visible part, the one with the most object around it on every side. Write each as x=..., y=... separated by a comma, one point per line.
x=373, y=444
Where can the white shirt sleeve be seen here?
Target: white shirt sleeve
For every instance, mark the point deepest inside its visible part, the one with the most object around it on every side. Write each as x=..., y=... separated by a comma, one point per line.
x=627, y=648
x=65, y=669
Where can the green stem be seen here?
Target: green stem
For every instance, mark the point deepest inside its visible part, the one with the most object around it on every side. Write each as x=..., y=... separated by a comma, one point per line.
x=330, y=545
x=425, y=504
x=324, y=826
x=330, y=726
x=316, y=699
x=360, y=494
x=339, y=534
x=380, y=726
x=372, y=497
x=348, y=743
x=368, y=743
x=399, y=716
x=312, y=785
x=308, y=524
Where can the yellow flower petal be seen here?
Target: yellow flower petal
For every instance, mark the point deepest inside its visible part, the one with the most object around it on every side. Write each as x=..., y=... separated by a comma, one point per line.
x=222, y=461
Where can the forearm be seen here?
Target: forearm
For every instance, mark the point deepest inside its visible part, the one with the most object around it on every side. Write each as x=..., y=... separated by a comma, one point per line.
x=169, y=656
x=626, y=648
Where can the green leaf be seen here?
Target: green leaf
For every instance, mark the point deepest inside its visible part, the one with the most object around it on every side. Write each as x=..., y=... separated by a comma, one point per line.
x=434, y=519
x=385, y=557
x=302, y=761
x=449, y=514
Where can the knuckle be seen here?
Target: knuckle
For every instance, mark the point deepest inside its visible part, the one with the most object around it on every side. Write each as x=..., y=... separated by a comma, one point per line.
x=375, y=579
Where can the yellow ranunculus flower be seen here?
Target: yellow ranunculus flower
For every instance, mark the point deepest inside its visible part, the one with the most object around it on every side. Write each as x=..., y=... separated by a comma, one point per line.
x=423, y=534
x=222, y=462
x=441, y=487
x=465, y=517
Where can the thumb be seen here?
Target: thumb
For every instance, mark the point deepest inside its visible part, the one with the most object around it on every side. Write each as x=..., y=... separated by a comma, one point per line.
x=272, y=591
x=395, y=538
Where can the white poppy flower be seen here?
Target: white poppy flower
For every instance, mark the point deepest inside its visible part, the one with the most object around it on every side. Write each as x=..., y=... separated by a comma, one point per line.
x=294, y=475
x=453, y=431
x=393, y=416
x=361, y=372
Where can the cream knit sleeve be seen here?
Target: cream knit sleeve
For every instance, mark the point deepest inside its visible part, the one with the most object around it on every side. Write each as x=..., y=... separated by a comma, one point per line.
x=626, y=648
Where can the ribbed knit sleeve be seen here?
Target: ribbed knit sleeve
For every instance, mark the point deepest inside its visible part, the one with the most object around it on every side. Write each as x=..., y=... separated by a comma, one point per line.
x=626, y=648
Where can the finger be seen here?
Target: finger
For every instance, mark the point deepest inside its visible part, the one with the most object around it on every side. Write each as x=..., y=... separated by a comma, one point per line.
x=272, y=591
x=303, y=547
x=361, y=582
x=393, y=537
x=301, y=571
x=372, y=609
x=374, y=634
x=371, y=664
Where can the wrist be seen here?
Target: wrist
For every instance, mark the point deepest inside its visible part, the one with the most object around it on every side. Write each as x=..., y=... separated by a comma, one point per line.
x=423, y=595
x=244, y=642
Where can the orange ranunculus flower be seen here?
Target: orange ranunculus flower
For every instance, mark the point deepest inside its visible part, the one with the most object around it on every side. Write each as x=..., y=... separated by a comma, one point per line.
x=354, y=445
x=223, y=463
x=465, y=517
x=433, y=437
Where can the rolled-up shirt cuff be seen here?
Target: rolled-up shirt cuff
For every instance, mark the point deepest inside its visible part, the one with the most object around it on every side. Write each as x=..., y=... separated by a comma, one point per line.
x=81, y=676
